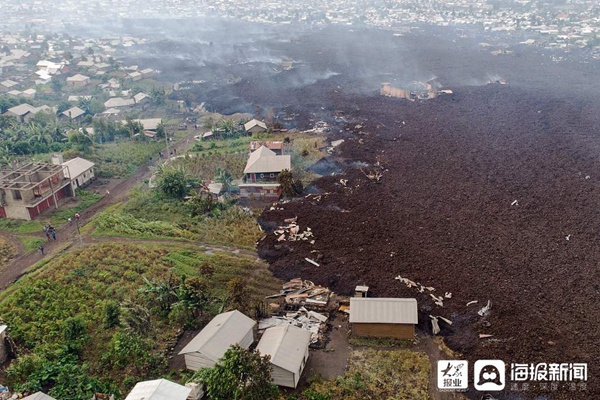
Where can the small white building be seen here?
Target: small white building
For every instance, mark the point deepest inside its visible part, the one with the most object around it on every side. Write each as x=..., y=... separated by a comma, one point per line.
x=288, y=347
x=158, y=389
x=255, y=126
x=223, y=331
x=80, y=171
x=78, y=80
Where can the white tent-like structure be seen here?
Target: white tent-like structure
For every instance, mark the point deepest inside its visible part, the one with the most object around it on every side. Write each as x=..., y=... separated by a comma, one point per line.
x=288, y=347
x=158, y=389
x=208, y=346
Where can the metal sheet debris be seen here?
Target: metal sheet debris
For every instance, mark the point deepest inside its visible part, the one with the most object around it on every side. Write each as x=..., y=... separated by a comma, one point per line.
x=303, y=318
x=485, y=310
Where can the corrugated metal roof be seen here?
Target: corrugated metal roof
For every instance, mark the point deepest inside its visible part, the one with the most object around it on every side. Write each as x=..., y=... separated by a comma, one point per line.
x=264, y=160
x=77, y=166
x=224, y=330
x=286, y=345
x=73, y=112
x=383, y=310
x=38, y=396
x=158, y=389
x=254, y=122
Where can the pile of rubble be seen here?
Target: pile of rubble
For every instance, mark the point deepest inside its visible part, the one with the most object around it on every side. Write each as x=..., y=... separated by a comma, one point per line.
x=303, y=318
x=299, y=293
x=291, y=232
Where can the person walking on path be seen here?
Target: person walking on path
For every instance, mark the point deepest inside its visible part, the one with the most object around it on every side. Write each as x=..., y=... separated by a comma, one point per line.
x=42, y=249
x=54, y=234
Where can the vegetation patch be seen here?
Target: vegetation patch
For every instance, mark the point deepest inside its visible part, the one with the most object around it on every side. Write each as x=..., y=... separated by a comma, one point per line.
x=31, y=242
x=377, y=374
x=7, y=251
x=102, y=318
x=151, y=215
x=119, y=159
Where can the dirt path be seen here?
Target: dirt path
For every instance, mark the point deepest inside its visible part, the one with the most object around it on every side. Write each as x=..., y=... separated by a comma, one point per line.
x=119, y=192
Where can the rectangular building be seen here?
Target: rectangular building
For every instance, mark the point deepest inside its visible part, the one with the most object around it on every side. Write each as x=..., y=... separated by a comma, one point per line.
x=383, y=317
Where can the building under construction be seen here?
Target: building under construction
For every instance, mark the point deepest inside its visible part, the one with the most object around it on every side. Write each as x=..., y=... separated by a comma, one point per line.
x=27, y=191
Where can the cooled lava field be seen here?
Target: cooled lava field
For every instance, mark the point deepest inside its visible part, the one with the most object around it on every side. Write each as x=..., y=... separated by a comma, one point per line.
x=490, y=193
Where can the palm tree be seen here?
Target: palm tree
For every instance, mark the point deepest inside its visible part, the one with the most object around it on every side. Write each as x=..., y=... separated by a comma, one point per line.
x=85, y=104
x=224, y=177
x=56, y=129
x=6, y=157
x=37, y=133
x=228, y=125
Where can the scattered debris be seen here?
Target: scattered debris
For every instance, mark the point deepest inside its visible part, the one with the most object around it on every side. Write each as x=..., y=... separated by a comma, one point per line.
x=421, y=289
x=344, y=182
x=515, y=203
x=437, y=300
x=304, y=293
x=485, y=310
x=303, y=318
x=292, y=230
x=374, y=176
x=472, y=302
x=313, y=262
x=484, y=336
x=568, y=237
x=435, y=326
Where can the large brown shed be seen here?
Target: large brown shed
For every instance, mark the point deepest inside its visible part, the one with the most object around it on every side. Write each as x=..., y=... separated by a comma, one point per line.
x=383, y=317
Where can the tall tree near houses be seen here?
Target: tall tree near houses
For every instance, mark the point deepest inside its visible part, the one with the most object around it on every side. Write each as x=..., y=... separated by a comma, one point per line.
x=240, y=374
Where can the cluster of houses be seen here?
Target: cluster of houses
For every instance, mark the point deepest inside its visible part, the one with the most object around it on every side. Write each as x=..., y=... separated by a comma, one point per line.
x=79, y=66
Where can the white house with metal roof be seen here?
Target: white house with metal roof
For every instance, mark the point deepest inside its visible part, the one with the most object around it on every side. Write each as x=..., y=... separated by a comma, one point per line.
x=288, y=347
x=80, y=171
x=158, y=389
x=224, y=330
x=383, y=317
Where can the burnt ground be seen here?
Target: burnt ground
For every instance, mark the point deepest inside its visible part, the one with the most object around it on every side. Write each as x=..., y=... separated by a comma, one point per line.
x=452, y=167
x=442, y=216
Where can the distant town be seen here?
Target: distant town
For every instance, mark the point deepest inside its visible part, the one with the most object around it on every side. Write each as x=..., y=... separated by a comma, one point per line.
x=553, y=24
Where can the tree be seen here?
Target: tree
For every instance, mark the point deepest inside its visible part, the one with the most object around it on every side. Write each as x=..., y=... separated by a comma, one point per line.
x=286, y=180
x=173, y=182
x=237, y=294
x=81, y=141
x=160, y=131
x=224, y=177
x=228, y=126
x=37, y=133
x=240, y=374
